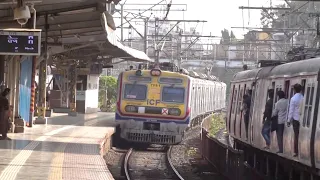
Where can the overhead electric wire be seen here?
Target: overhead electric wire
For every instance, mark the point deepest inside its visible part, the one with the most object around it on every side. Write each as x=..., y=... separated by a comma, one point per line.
x=141, y=13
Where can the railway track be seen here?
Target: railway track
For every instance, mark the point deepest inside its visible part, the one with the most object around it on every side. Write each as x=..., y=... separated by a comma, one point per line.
x=153, y=165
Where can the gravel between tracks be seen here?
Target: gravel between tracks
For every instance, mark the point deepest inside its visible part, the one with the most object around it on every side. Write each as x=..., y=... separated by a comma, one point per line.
x=114, y=163
x=188, y=161
x=186, y=158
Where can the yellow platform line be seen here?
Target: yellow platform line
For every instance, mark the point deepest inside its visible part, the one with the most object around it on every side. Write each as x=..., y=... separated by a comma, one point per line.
x=13, y=168
x=56, y=171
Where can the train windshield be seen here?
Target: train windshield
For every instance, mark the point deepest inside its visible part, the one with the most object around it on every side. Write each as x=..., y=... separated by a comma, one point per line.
x=173, y=94
x=135, y=91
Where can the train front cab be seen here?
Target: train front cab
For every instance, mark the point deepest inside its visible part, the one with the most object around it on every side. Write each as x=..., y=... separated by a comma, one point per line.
x=161, y=113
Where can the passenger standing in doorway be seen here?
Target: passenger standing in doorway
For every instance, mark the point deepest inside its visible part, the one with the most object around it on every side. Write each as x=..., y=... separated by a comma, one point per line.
x=280, y=110
x=246, y=109
x=267, y=119
x=4, y=114
x=294, y=115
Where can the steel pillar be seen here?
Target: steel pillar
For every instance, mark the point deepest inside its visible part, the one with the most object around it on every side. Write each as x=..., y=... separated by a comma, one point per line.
x=42, y=93
x=33, y=91
x=12, y=83
x=72, y=90
x=42, y=80
x=17, y=88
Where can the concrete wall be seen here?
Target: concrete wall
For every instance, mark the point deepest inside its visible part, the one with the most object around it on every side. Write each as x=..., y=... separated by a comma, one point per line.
x=92, y=93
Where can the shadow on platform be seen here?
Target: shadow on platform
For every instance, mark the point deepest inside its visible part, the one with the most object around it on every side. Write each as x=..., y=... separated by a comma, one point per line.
x=100, y=120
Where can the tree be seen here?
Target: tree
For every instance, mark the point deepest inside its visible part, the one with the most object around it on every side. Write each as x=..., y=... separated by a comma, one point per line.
x=232, y=36
x=277, y=18
x=227, y=37
x=107, y=84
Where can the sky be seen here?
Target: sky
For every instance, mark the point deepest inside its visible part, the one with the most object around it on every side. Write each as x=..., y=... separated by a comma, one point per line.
x=219, y=14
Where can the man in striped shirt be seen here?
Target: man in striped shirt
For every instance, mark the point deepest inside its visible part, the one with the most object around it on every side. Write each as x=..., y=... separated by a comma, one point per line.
x=294, y=115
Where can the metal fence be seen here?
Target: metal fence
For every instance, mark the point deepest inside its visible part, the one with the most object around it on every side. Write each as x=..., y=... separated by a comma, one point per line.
x=224, y=158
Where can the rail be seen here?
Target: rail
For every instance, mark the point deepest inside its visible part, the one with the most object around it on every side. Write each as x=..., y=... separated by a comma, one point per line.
x=126, y=164
x=169, y=162
x=228, y=161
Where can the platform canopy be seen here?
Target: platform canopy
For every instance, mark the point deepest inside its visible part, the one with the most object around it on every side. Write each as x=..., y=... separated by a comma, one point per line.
x=80, y=30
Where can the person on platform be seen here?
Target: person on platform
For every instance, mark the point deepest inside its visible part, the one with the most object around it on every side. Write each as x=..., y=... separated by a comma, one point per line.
x=4, y=114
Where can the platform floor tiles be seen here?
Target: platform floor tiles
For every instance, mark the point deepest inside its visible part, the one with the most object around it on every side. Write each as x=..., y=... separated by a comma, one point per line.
x=66, y=148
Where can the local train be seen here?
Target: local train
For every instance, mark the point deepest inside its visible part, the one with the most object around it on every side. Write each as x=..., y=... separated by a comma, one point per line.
x=156, y=106
x=280, y=76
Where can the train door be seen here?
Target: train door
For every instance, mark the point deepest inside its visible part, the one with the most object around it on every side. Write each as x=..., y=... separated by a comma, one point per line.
x=231, y=107
x=288, y=132
x=259, y=105
x=306, y=119
x=234, y=108
x=279, y=86
x=242, y=123
x=316, y=126
x=254, y=86
x=238, y=114
x=196, y=97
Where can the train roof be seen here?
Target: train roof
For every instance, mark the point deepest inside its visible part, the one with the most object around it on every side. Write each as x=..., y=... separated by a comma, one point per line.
x=309, y=66
x=298, y=67
x=248, y=74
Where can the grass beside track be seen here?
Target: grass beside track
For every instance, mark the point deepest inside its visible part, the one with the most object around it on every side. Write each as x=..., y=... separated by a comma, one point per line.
x=217, y=124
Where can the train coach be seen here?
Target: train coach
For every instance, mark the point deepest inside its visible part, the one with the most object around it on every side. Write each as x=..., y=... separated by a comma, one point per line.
x=156, y=106
x=281, y=76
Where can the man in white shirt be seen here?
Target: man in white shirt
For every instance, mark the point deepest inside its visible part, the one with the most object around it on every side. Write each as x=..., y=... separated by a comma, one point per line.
x=280, y=110
x=294, y=115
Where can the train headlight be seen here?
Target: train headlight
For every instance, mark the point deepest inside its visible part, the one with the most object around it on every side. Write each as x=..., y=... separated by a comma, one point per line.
x=131, y=124
x=174, y=112
x=130, y=109
x=172, y=127
x=155, y=72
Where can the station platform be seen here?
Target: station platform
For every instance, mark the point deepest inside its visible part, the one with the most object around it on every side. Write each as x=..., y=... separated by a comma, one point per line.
x=69, y=148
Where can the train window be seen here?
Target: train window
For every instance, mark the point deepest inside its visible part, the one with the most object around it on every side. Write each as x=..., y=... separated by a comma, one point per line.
x=303, y=84
x=231, y=107
x=240, y=101
x=135, y=91
x=234, y=101
x=308, y=106
x=291, y=92
x=286, y=88
x=275, y=95
x=173, y=94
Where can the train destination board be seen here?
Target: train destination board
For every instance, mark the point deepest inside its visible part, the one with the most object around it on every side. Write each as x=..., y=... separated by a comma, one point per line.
x=20, y=42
